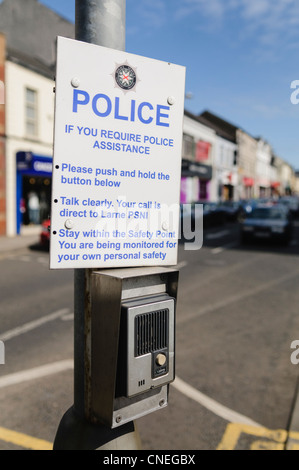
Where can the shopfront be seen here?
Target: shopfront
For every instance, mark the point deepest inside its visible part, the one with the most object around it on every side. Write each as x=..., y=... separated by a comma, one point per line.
x=248, y=184
x=33, y=191
x=195, y=181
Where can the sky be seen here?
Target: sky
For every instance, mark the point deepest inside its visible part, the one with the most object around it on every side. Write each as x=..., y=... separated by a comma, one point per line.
x=241, y=59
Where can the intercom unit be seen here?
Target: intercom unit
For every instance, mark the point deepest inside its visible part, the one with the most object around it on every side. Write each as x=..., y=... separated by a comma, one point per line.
x=132, y=342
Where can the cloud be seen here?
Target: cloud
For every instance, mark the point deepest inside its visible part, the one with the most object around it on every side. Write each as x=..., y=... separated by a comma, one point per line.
x=253, y=9
x=153, y=13
x=268, y=20
x=268, y=25
x=214, y=9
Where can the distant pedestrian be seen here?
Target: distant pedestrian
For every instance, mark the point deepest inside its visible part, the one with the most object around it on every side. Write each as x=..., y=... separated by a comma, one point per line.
x=33, y=208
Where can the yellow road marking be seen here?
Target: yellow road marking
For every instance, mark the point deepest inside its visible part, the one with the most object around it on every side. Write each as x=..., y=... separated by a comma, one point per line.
x=272, y=439
x=24, y=440
x=293, y=441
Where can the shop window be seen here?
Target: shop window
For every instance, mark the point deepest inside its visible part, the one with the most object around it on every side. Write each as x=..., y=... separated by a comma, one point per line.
x=203, y=192
x=31, y=112
x=235, y=157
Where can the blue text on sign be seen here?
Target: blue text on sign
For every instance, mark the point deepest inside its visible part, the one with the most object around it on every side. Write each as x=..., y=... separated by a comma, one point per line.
x=103, y=106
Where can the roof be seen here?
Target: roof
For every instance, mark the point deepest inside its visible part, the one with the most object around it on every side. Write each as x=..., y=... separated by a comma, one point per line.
x=31, y=30
x=31, y=63
x=222, y=127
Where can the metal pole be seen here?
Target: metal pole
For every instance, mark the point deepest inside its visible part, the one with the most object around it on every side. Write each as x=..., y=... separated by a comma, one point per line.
x=100, y=22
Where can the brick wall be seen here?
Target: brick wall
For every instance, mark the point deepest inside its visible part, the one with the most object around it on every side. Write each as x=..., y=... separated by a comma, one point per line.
x=2, y=139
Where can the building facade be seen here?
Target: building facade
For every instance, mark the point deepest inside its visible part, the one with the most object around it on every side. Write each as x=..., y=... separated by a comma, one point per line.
x=286, y=176
x=247, y=148
x=220, y=161
x=27, y=71
x=296, y=188
x=262, y=187
x=198, y=154
x=225, y=170
x=29, y=142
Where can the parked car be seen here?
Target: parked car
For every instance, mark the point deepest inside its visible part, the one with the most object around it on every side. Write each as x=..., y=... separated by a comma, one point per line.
x=248, y=205
x=233, y=210
x=267, y=222
x=292, y=203
x=213, y=214
x=44, y=237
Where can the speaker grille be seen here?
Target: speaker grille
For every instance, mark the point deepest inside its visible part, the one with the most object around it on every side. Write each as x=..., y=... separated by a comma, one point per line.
x=151, y=331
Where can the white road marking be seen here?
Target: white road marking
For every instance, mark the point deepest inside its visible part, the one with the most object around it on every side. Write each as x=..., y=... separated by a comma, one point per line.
x=219, y=249
x=182, y=264
x=239, y=296
x=68, y=317
x=19, y=330
x=210, y=404
x=178, y=384
x=212, y=236
x=36, y=373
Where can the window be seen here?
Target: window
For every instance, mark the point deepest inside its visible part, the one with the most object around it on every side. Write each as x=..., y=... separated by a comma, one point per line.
x=188, y=147
x=31, y=112
x=2, y=93
x=203, y=190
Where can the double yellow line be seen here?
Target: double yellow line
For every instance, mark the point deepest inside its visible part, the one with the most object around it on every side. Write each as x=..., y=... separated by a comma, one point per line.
x=23, y=440
x=266, y=439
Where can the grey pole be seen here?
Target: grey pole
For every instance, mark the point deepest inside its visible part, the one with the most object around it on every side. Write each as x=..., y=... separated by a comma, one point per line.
x=100, y=22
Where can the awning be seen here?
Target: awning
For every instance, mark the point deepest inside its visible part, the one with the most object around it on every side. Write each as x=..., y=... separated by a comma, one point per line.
x=248, y=181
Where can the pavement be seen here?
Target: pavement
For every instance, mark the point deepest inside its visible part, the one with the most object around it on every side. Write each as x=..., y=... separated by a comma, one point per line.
x=30, y=238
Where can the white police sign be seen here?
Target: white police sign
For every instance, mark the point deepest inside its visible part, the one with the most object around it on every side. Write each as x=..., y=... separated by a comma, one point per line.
x=117, y=158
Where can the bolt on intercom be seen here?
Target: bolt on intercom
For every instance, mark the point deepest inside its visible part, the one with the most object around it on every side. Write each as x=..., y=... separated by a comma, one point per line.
x=132, y=342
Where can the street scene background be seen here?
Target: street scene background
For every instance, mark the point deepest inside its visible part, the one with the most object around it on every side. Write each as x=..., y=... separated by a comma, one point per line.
x=237, y=316
x=237, y=323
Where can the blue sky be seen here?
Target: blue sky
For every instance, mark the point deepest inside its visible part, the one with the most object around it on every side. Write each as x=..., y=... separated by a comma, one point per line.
x=240, y=57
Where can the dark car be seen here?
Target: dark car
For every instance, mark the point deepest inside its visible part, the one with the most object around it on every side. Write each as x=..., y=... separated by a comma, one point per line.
x=292, y=203
x=233, y=210
x=212, y=214
x=266, y=222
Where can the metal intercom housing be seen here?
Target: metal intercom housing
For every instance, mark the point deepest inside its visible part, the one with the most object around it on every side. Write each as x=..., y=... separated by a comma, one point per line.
x=146, y=346
x=132, y=342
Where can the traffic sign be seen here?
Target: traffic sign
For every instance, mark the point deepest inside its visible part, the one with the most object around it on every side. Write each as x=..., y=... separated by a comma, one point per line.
x=117, y=158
